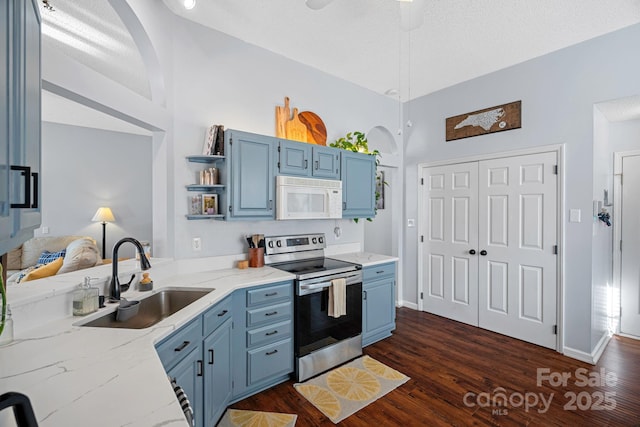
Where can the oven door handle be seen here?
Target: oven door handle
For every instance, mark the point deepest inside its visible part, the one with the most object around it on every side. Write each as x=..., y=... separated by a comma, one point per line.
x=315, y=286
x=322, y=285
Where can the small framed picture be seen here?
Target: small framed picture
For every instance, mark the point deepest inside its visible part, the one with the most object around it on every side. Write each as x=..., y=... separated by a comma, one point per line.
x=195, y=205
x=209, y=204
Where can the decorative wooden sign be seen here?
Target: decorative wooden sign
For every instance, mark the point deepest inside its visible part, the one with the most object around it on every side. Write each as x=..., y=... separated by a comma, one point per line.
x=490, y=120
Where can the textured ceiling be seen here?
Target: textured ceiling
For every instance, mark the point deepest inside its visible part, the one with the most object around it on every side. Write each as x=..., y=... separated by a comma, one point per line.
x=361, y=40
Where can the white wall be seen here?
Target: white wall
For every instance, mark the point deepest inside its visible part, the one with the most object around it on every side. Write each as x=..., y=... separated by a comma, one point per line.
x=218, y=79
x=204, y=77
x=558, y=92
x=83, y=169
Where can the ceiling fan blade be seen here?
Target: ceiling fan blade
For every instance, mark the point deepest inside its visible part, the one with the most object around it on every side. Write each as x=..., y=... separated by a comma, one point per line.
x=412, y=14
x=317, y=4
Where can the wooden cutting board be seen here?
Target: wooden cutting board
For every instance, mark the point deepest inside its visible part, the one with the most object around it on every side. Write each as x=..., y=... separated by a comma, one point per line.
x=296, y=130
x=283, y=114
x=316, y=130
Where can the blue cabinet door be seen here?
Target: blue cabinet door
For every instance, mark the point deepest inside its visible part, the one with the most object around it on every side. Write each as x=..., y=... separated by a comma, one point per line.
x=19, y=122
x=6, y=219
x=358, y=184
x=188, y=375
x=217, y=373
x=326, y=162
x=378, y=302
x=252, y=183
x=294, y=158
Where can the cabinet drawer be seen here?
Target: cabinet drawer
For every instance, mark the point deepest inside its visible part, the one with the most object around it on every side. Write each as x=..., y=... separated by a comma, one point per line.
x=180, y=343
x=271, y=360
x=272, y=313
x=216, y=316
x=378, y=271
x=269, y=334
x=266, y=294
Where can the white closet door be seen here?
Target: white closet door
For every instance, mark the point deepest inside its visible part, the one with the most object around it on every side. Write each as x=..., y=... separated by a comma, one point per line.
x=517, y=236
x=630, y=258
x=450, y=230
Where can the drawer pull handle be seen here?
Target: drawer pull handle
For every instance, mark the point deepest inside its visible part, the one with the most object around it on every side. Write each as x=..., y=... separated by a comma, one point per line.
x=379, y=271
x=211, y=356
x=222, y=313
x=271, y=333
x=271, y=314
x=269, y=353
x=200, y=367
x=271, y=294
x=182, y=346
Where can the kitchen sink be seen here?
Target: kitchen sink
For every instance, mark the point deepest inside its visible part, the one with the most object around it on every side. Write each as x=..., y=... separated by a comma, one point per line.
x=152, y=309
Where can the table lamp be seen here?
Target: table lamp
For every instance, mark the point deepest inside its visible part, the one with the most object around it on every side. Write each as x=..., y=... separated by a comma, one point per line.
x=104, y=215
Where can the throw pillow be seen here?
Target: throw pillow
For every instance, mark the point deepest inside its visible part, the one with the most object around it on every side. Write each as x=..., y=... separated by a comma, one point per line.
x=46, y=257
x=44, y=271
x=81, y=253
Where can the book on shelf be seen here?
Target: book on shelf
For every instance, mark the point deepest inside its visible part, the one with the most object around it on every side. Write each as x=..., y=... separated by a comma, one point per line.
x=214, y=141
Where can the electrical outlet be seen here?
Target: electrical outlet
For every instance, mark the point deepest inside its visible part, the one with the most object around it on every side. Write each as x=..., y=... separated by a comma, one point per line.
x=196, y=244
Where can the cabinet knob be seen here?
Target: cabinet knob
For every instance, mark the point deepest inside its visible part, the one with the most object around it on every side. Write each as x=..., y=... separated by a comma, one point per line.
x=483, y=252
x=472, y=251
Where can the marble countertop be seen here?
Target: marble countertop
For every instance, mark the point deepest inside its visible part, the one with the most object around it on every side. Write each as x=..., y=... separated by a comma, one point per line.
x=77, y=375
x=365, y=259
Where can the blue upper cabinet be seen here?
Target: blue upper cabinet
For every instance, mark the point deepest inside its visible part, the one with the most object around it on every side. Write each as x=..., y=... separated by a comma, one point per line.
x=358, y=185
x=294, y=158
x=326, y=162
x=19, y=122
x=252, y=183
x=302, y=159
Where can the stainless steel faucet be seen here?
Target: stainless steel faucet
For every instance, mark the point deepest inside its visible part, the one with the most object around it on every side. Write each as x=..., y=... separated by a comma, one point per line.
x=116, y=288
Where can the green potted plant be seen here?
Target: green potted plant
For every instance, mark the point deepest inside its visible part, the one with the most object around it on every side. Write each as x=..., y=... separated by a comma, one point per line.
x=358, y=143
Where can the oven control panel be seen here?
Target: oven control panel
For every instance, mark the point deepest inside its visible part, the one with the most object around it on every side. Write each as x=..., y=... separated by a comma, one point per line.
x=294, y=243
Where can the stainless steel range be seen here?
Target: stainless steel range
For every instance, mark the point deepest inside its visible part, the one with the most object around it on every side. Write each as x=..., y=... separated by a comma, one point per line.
x=321, y=341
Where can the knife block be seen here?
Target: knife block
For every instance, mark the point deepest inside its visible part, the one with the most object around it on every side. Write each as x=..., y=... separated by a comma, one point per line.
x=256, y=257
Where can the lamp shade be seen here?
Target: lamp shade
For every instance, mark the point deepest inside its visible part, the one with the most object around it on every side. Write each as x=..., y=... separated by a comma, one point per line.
x=103, y=214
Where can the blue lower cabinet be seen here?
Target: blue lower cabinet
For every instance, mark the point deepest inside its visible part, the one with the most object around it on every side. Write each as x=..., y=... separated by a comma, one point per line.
x=378, y=302
x=188, y=375
x=198, y=357
x=217, y=373
x=262, y=338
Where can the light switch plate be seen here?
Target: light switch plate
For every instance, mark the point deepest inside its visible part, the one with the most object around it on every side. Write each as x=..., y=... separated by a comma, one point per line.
x=574, y=215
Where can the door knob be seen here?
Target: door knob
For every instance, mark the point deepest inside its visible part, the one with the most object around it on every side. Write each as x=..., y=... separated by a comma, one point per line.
x=472, y=251
x=483, y=252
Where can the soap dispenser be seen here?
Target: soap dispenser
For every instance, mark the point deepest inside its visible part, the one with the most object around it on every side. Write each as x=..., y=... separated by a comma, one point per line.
x=85, y=298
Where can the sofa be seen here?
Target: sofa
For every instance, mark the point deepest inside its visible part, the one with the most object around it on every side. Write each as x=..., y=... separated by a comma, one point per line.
x=45, y=256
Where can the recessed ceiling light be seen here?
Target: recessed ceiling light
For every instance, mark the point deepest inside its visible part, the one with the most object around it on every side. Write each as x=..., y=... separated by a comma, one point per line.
x=189, y=4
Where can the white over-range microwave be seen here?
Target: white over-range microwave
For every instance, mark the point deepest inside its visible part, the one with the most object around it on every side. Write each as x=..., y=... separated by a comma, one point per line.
x=308, y=198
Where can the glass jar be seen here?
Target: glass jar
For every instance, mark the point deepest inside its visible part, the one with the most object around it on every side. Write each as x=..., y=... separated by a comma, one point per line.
x=85, y=298
x=6, y=336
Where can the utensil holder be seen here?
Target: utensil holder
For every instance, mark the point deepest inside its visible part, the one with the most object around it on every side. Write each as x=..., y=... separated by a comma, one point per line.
x=256, y=257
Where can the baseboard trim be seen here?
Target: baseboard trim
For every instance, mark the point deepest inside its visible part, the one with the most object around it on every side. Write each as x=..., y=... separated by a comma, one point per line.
x=592, y=357
x=411, y=305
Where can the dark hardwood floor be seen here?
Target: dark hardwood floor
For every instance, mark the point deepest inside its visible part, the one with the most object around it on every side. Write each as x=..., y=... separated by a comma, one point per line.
x=447, y=361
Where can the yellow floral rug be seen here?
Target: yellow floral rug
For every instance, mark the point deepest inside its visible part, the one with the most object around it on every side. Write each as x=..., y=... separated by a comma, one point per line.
x=345, y=390
x=240, y=418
